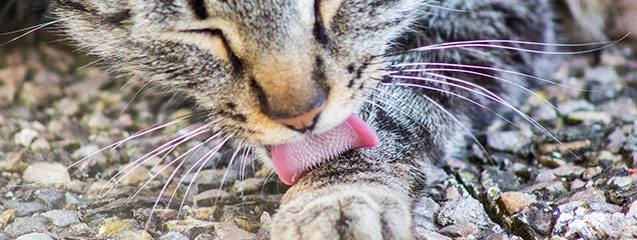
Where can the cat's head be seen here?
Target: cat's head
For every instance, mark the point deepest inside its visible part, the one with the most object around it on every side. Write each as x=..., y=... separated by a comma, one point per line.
x=268, y=71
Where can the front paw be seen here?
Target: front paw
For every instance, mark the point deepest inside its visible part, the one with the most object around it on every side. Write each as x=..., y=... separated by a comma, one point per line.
x=348, y=213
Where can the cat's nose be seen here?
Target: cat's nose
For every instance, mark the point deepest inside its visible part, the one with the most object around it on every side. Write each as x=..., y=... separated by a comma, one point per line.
x=306, y=121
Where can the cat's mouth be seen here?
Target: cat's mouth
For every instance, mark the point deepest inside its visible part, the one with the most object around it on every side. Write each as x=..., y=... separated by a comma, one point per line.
x=293, y=160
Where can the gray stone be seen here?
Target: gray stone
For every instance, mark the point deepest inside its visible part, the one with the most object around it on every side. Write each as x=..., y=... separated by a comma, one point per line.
x=430, y=235
x=616, y=140
x=585, y=116
x=211, y=197
x=248, y=186
x=424, y=212
x=511, y=141
x=571, y=106
x=226, y=230
x=50, y=198
x=460, y=229
x=25, y=208
x=35, y=236
x=622, y=108
x=61, y=218
x=24, y=225
x=465, y=209
x=632, y=209
x=25, y=136
x=5, y=236
x=46, y=173
x=212, y=178
x=172, y=235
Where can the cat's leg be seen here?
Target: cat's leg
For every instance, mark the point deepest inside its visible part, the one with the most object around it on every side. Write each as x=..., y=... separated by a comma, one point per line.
x=349, y=198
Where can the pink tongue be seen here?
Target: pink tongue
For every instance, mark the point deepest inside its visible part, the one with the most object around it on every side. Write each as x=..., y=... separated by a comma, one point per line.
x=291, y=160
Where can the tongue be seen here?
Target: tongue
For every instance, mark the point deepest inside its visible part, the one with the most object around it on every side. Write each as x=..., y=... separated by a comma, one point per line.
x=291, y=160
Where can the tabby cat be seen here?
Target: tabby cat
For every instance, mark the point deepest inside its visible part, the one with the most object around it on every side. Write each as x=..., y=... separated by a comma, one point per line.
x=347, y=100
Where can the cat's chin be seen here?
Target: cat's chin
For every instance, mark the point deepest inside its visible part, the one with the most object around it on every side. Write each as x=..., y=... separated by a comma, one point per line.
x=293, y=160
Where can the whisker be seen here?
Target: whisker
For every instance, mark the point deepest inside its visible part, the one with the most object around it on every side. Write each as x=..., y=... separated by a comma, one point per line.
x=427, y=71
x=486, y=68
x=33, y=29
x=172, y=175
x=169, y=146
x=490, y=95
x=207, y=158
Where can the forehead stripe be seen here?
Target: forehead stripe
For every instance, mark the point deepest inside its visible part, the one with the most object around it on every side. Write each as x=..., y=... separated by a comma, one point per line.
x=198, y=8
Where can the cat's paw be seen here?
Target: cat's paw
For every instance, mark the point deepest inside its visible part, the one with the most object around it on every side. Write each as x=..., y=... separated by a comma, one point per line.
x=345, y=214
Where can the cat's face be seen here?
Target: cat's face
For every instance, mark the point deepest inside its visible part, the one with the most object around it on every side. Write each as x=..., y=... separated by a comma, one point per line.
x=263, y=69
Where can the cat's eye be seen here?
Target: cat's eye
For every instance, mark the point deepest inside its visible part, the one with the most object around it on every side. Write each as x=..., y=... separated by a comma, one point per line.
x=215, y=41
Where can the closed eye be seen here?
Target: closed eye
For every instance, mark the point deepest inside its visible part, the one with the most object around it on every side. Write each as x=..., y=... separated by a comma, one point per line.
x=215, y=41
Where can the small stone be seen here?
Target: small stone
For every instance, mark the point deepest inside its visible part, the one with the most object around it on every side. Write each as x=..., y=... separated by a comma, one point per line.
x=539, y=216
x=578, y=117
x=225, y=230
x=132, y=234
x=544, y=112
x=212, y=178
x=210, y=197
x=81, y=229
x=464, y=209
x=24, y=225
x=134, y=175
x=616, y=140
x=109, y=229
x=622, y=108
x=632, y=209
x=515, y=201
x=547, y=191
x=61, y=218
x=511, y=141
x=571, y=106
x=25, y=136
x=188, y=226
x=50, y=197
x=564, y=147
x=591, y=172
x=460, y=229
x=12, y=161
x=35, y=236
x=172, y=235
x=498, y=236
x=608, y=156
x=46, y=173
x=162, y=170
x=248, y=186
x=67, y=106
x=40, y=144
x=99, y=122
x=25, y=208
x=577, y=184
x=588, y=194
x=622, y=182
x=206, y=213
x=430, y=235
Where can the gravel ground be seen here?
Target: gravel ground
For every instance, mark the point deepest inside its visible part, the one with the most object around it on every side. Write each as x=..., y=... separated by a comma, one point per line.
x=57, y=108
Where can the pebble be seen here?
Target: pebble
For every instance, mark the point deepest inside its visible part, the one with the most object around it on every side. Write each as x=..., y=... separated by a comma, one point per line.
x=132, y=234
x=424, y=213
x=571, y=106
x=577, y=184
x=134, y=175
x=61, y=218
x=98, y=121
x=109, y=229
x=591, y=172
x=589, y=194
x=225, y=230
x=430, y=235
x=547, y=190
x=40, y=144
x=25, y=208
x=632, y=209
x=460, y=229
x=248, y=186
x=46, y=173
x=211, y=197
x=189, y=226
x=616, y=140
x=172, y=235
x=515, y=201
x=35, y=236
x=464, y=209
x=68, y=106
x=511, y=141
x=622, y=108
x=24, y=225
x=578, y=117
x=212, y=178
x=539, y=216
x=25, y=136
x=51, y=198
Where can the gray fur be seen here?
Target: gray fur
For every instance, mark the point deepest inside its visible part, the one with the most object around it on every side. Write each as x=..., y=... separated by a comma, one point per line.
x=365, y=185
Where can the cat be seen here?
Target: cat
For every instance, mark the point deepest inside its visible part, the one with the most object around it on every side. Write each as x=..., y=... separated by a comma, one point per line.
x=347, y=100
